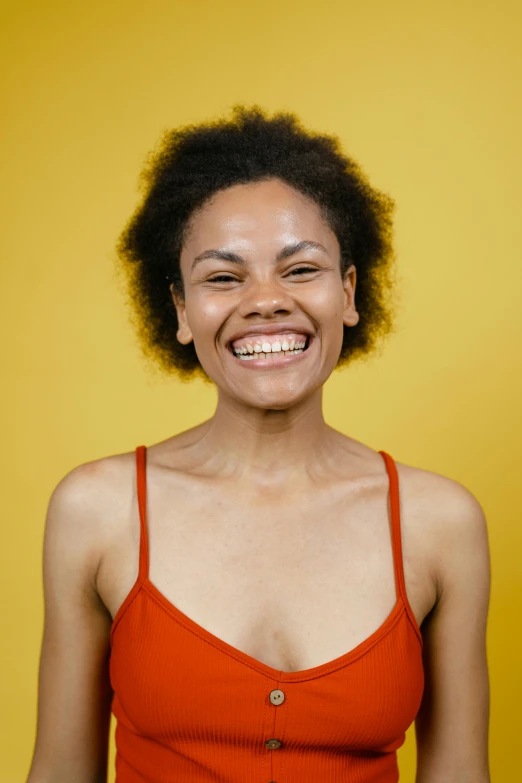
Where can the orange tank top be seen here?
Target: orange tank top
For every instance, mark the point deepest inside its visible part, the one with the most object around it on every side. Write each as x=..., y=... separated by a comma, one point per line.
x=190, y=707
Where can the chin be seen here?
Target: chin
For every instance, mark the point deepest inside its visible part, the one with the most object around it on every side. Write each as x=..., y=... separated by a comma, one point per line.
x=275, y=400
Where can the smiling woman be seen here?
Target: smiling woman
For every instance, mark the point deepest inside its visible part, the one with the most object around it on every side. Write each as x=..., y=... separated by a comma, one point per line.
x=194, y=165
x=261, y=597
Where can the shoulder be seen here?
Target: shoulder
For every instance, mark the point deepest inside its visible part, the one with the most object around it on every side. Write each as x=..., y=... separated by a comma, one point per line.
x=449, y=519
x=102, y=488
x=86, y=508
x=89, y=486
x=91, y=507
x=426, y=485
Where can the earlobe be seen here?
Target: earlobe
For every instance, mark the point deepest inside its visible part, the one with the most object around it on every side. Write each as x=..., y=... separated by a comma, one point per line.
x=183, y=334
x=350, y=314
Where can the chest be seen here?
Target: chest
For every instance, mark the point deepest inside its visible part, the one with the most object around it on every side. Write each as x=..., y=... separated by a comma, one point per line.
x=293, y=582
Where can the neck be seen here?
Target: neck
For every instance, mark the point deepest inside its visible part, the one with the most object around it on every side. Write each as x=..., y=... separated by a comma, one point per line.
x=272, y=445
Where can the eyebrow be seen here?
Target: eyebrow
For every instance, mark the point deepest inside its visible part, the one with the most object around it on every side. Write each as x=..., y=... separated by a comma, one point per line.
x=285, y=252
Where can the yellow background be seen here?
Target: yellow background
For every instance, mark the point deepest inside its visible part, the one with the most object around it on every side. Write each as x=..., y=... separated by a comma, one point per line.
x=426, y=96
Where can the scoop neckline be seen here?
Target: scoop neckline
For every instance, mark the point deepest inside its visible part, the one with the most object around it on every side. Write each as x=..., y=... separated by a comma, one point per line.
x=313, y=672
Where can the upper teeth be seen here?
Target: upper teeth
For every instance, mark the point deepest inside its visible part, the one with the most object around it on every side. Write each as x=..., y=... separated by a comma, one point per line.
x=266, y=347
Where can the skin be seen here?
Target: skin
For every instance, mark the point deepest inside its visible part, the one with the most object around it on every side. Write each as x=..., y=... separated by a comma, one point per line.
x=281, y=408
x=268, y=462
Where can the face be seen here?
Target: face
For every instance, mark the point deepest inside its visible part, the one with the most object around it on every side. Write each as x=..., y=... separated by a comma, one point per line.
x=264, y=302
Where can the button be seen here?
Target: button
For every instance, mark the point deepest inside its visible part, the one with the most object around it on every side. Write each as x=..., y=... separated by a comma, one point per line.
x=273, y=744
x=277, y=697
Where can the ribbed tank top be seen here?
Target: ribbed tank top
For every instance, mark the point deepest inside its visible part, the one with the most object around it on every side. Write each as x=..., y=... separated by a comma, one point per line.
x=191, y=707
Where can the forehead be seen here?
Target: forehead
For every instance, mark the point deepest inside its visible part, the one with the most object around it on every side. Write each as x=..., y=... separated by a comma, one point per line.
x=269, y=212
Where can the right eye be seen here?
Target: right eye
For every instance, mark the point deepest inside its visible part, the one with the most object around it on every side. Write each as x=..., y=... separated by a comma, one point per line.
x=221, y=278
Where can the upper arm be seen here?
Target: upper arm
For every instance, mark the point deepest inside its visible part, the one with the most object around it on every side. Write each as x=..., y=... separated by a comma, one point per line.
x=74, y=694
x=452, y=724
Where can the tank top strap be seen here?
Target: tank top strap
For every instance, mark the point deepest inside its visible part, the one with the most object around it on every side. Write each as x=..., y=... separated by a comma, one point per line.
x=393, y=483
x=141, y=486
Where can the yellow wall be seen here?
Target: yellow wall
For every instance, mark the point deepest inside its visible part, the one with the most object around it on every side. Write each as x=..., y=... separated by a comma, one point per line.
x=426, y=97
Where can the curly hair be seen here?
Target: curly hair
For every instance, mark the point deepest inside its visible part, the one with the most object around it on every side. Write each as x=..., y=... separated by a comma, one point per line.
x=193, y=162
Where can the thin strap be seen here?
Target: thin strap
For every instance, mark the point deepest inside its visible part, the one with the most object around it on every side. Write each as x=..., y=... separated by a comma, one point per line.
x=393, y=479
x=141, y=483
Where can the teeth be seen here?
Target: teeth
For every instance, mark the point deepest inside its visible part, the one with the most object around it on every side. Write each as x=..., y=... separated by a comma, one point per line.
x=263, y=348
x=262, y=355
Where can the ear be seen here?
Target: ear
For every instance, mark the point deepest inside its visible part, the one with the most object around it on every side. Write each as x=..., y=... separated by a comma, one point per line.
x=183, y=334
x=350, y=314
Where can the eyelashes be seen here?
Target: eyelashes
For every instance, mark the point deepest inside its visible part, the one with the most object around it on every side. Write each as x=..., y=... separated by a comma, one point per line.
x=304, y=269
x=228, y=278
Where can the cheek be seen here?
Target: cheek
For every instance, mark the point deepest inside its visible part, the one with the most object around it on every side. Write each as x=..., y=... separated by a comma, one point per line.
x=325, y=302
x=205, y=316
x=326, y=306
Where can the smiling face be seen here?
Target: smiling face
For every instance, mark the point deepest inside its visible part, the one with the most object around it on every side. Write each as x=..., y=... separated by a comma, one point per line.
x=264, y=300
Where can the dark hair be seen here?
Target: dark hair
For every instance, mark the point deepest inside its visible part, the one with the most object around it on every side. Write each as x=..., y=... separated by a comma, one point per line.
x=194, y=162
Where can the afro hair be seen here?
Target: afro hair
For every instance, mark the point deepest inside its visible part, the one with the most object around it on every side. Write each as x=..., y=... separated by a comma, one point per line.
x=193, y=162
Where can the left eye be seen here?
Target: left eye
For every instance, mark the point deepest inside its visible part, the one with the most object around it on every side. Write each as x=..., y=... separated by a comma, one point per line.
x=303, y=269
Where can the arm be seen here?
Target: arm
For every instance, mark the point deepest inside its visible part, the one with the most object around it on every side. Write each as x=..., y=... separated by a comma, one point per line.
x=452, y=724
x=74, y=694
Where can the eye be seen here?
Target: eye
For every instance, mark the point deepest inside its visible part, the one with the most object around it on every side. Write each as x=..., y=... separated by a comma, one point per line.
x=303, y=270
x=221, y=279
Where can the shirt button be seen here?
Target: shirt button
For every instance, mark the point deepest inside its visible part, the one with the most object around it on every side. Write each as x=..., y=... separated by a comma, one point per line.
x=277, y=697
x=273, y=744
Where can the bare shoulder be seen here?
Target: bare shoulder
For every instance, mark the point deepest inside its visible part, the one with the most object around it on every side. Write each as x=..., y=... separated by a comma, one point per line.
x=93, y=485
x=437, y=491
x=446, y=519
x=91, y=508
x=87, y=506
x=82, y=485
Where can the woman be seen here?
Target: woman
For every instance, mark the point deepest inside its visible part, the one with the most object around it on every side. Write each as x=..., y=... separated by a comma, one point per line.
x=261, y=597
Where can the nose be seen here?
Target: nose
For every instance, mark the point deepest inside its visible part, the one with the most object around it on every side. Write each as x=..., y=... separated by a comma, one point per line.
x=265, y=298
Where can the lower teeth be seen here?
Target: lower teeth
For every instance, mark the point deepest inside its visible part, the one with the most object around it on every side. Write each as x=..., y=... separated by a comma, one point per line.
x=261, y=355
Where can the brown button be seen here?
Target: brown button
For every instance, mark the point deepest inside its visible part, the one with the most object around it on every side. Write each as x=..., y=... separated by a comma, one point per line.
x=273, y=744
x=277, y=697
